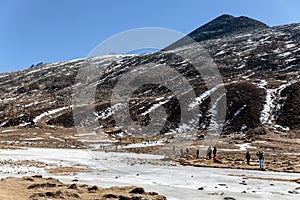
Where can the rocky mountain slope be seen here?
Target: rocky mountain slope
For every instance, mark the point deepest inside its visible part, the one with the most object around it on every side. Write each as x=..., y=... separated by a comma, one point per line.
x=259, y=66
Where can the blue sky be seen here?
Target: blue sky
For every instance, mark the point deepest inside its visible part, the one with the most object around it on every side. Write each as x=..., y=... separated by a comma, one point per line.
x=55, y=30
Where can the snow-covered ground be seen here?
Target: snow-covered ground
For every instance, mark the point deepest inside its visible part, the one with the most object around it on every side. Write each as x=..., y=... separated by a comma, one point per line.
x=51, y=112
x=154, y=174
x=145, y=144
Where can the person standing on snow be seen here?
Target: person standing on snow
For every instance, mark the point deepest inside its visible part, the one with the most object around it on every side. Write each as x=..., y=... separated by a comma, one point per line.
x=181, y=153
x=248, y=156
x=208, y=153
x=261, y=157
x=174, y=150
x=215, y=151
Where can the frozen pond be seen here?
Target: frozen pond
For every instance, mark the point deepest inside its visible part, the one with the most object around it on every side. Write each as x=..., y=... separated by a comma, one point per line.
x=154, y=174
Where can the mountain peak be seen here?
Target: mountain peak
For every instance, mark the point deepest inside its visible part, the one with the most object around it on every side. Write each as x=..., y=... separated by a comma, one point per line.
x=219, y=27
x=225, y=25
x=225, y=16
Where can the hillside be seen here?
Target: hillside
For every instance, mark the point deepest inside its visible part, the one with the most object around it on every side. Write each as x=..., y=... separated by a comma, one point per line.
x=259, y=66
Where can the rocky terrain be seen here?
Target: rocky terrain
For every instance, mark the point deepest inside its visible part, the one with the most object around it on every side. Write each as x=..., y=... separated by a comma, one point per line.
x=259, y=66
x=38, y=188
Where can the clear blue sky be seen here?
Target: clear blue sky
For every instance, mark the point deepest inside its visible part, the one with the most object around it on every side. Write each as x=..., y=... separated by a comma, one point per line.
x=55, y=30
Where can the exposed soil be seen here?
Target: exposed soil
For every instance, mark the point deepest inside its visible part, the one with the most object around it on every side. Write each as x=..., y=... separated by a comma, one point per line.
x=263, y=178
x=38, y=188
x=281, y=153
x=67, y=170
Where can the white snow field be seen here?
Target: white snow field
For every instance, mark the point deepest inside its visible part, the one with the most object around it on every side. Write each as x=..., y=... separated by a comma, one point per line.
x=154, y=173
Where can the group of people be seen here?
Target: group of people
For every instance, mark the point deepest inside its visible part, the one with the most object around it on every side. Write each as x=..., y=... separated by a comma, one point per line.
x=209, y=154
x=214, y=152
x=259, y=154
x=182, y=153
x=261, y=158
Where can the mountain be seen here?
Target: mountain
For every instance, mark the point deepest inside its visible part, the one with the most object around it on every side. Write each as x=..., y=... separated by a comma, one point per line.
x=225, y=25
x=259, y=66
x=222, y=26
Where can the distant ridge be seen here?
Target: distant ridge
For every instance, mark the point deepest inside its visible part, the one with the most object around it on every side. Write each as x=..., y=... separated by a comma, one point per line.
x=221, y=26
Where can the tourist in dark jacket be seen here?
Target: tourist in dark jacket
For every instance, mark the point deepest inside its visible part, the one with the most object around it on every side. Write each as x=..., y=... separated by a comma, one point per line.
x=261, y=157
x=248, y=156
x=215, y=151
x=181, y=153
